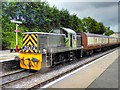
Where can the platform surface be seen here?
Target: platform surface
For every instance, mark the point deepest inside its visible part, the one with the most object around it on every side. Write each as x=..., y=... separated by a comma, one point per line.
x=101, y=74
x=109, y=79
x=6, y=55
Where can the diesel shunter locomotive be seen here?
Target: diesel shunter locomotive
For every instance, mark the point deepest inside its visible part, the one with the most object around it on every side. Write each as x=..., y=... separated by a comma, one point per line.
x=63, y=44
x=48, y=49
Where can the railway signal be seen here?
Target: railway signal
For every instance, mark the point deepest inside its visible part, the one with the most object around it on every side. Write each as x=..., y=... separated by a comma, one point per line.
x=16, y=22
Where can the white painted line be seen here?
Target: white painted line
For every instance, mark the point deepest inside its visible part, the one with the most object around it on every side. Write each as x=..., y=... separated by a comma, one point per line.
x=69, y=74
x=7, y=60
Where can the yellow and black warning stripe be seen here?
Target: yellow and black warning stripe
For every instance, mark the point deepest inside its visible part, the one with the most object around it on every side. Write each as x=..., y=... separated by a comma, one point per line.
x=30, y=40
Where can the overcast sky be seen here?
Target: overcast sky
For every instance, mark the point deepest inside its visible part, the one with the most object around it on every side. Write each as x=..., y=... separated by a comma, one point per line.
x=105, y=11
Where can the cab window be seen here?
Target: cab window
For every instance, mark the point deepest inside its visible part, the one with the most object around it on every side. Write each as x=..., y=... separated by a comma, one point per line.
x=64, y=32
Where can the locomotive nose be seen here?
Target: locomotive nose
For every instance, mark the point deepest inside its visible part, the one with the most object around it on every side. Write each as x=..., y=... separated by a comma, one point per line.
x=31, y=61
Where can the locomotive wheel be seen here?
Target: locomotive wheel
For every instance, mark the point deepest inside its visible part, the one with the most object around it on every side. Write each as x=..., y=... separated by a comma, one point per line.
x=61, y=57
x=87, y=53
x=53, y=61
x=90, y=52
x=98, y=49
x=57, y=59
x=104, y=49
x=74, y=57
x=53, y=65
x=33, y=71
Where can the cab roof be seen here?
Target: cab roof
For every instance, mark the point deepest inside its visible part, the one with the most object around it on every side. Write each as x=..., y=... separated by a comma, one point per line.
x=69, y=30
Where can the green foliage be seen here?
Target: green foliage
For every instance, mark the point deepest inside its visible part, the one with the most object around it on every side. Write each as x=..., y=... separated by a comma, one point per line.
x=5, y=44
x=92, y=26
x=108, y=31
x=40, y=17
x=9, y=40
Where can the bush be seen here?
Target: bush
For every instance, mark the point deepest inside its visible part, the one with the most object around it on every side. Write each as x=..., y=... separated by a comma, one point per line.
x=5, y=44
x=9, y=40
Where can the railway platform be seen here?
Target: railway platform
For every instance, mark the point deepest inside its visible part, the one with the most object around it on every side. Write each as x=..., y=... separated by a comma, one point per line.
x=7, y=56
x=101, y=73
x=8, y=62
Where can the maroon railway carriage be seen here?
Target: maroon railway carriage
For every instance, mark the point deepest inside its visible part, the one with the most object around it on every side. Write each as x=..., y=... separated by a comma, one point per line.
x=91, y=42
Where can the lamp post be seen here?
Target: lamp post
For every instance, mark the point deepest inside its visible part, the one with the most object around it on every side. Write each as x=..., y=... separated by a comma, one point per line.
x=16, y=22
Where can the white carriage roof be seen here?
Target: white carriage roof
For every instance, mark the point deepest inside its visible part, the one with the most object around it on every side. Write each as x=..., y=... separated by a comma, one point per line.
x=69, y=30
x=96, y=35
x=42, y=33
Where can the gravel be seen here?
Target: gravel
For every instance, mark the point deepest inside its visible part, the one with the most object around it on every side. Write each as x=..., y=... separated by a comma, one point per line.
x=11, y=77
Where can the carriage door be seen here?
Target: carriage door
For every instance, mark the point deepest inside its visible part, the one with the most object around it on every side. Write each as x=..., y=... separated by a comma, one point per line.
x=70, y=40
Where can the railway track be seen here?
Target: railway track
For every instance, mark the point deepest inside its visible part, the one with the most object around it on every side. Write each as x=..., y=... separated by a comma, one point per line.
x=10, y=73
x=37, y=80
x=14, y=76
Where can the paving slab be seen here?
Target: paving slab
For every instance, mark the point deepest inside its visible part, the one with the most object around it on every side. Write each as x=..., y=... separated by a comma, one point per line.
x=7, y=56
x=109, y=79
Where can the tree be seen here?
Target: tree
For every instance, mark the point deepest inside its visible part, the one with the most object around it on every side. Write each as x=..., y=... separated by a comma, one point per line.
x=40, y=17
x=102, y=28
x=92, y=26
x=108, y=31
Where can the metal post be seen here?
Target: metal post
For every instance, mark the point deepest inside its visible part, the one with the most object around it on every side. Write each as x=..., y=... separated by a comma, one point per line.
x=16, y=22
x=16, y=38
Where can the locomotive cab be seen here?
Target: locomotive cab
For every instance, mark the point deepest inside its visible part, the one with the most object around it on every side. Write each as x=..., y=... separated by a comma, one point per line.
x=70, y=36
